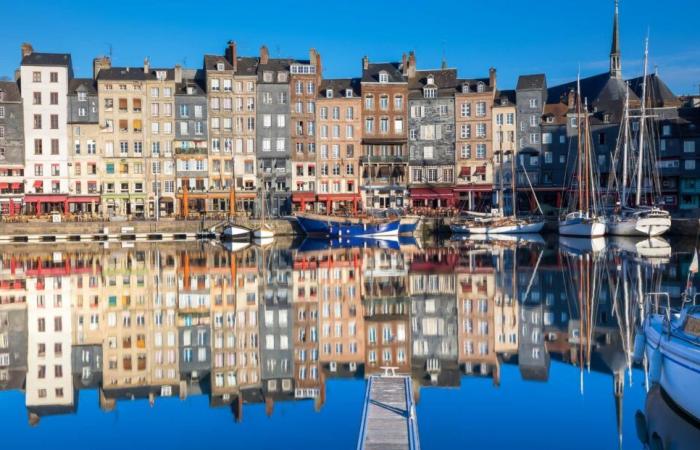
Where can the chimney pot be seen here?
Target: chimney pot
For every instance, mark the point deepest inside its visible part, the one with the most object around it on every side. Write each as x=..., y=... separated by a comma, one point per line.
x=146, y=65
x=178, y=73
x=231, y=54
x=264, y=55
x=365, y=63
x=492, y=77
x=27, y=49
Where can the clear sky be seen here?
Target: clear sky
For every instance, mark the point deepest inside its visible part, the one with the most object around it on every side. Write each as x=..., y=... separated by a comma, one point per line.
x=515, y=36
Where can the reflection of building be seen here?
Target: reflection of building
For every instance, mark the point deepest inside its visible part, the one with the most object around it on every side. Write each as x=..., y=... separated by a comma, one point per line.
x=306, y=277
x=13, y=325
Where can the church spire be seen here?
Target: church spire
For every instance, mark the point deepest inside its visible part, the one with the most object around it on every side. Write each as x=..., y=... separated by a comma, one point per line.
x=615, y=64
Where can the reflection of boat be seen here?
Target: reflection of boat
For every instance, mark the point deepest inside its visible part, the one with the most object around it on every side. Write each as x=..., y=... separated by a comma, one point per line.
x=663, y=426
x=264, y=232
x=320, y=225
x=315, y=244
x=235, y=246
x=651, y=248
x=409, y=225
x=263, y=242
x=582, y=245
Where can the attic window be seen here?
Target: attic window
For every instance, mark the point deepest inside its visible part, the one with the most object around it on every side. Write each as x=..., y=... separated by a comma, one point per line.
x=267, y=76
x=480, y=87
x=348, y=93
x=281, y=77
x=430, y=92
x=431, y=79
x=190, y=90
x=161, y=75
x=465, y=88
x=606, y=118
x=329, y=93
x=383, y=77
x=82, y=96
x=220, y=67
x=550, y=119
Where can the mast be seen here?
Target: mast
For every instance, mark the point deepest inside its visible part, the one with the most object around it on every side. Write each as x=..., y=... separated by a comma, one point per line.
x=513, y=184
x=642, y=125
x=578, y=142
x=625, y=139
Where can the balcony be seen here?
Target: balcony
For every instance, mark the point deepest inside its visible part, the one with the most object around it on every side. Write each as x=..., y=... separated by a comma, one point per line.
x=190, y=151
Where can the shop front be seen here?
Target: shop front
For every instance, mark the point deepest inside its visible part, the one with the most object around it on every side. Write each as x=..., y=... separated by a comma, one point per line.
x=38, y=204
x=303, y=201
x=339, y=203
x=432, y=197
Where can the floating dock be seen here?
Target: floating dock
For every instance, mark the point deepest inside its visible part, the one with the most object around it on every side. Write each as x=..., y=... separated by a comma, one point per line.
x=389, y=417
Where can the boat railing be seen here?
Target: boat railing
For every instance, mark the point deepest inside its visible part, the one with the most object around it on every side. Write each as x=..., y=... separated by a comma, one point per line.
x=664, y=310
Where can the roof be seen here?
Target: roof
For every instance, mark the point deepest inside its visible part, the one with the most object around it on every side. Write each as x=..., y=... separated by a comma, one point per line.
x=657, y=91
x=393, y=69
x=210, y=62
x=47, y=59
x=505, y=97
x=473, y=83
x=11, y=90
x=246, y=65
x=339, y=86
x=83, y=84
x=194, y=82
x=133, y=74
x=558, y=113
x=444, y=79
x=536, y=81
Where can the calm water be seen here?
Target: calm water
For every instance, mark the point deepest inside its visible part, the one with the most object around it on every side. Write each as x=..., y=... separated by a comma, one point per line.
x=509, y=344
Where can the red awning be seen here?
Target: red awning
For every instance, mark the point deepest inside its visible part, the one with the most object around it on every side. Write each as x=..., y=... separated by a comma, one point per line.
x=465, y=171
x=338, y=197
x=38, y=183
x=16, y=185
x=431, y=193
x=29, y=198
x=4, y=185
x=480, y=170
x=298, y=196
x=84, y=199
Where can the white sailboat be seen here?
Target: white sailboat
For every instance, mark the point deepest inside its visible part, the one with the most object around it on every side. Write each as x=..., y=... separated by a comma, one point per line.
x=265, y=231
x=231, y=231
x=637, y=219
x=584, y=220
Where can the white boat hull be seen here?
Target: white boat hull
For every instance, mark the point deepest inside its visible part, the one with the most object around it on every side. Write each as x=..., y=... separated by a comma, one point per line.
x=235, y=233
x=639, y=226
x=263, y=233
x=517, y=228
x=582, y=228
x=468, y=229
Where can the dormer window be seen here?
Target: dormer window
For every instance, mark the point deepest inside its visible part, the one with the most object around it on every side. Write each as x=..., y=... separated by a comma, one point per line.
x=606, y=118
x=220, y=67
x=383, y=77
x=550, y=119
x=267, y=76
x=431, y=79
x=329, y=93
x=281, y=77
x=161, y=75
x=430, y=92
x=480, y=87
x=465, y=88
x=190, y=90
x=348, y=93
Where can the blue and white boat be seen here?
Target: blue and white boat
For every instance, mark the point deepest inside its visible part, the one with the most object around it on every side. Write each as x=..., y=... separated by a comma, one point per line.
x=409, y=225
x=320, y=225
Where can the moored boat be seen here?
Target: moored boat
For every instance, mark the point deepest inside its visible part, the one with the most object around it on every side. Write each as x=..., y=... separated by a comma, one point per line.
x=233, y=232
x=581, y=224
x=320, y=225
x=640, y=222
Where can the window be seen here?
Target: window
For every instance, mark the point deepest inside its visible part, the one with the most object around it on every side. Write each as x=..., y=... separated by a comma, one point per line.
x=689, y=164
x=481, y=130
x=666, y=130
x=54, y=98
x=480, y=151
x=398, y=102
x=466, y=151
x=546, y=138
x=384, y=125
x=533, y=103
x=36, y=77
x=369, y=125
x=53, y=77
x=369, y=102
x=383, y=77
x=466, y=109
x=384, y=102
x=465, y=131
x=548, y=157
x=428, y=152
x=480, y=109
x=37, y=121
x=689, y=146
x=398, y=125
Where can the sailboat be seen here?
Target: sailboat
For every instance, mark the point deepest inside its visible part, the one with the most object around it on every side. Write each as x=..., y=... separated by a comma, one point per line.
x=233, y=232
x=584, y=220
x=638, y=219
x=265, y=232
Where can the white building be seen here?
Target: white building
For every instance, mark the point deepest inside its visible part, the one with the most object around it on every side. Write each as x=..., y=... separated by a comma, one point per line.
x=44, y=86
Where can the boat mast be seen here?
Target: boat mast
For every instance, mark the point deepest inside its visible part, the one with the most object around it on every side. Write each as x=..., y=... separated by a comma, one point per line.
x=513, y=184
x=625, y=139
x=578, y=142
x=642, y=123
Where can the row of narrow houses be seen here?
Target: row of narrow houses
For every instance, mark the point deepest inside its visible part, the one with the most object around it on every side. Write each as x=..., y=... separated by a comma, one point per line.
x=161, y=142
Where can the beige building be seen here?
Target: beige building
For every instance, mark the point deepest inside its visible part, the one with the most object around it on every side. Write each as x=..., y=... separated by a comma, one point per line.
x=339, y=142
x=504, y=128
x=473, y=140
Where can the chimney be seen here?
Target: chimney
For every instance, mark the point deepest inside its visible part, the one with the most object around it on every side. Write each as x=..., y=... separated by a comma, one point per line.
x=27, y=49
x=365, y=63
x=492, y=78
x=411, y=64
x=319, y=67
x=99, y=63
x=178, y=73
x=571, y=100
x=17, y=74
x=264, y=55
x=146, y=65
x=231, y=55
x=403, y=64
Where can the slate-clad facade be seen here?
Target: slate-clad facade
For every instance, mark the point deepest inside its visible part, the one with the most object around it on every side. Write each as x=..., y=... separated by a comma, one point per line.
x=11, y=149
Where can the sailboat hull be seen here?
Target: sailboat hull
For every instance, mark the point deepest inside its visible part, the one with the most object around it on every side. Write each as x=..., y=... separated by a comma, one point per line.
x=409, y=225
x=460, y=228
x=235, y=233
x=639, y=226
x=518, y=227
x=582, y=227
x=263, y=233
x=337, y=227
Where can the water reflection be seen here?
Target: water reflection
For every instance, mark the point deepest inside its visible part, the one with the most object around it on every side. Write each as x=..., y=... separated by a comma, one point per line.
x=274, y=324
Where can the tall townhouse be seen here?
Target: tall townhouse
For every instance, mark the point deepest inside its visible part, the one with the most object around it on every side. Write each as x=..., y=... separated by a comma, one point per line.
x=473, y=119
x=384, y=140
x=431, y=133
x=122, y=98
x=160, y=177
x=339, y=138
x=11, y=149
x=504, y=148
x=531, y=96
x=245, y=78
x=44, y=86
x=219, y=86
x=83, y=135
x=191, y=144
x=305, y=78
x=273, y=132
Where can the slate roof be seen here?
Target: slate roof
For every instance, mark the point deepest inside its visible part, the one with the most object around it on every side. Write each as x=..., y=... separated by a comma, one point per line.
x=196, y=82
x=246, y=65
x=444, y=79
x=393, y=69
x=276, y=65
x=658, y=92
x=47, y=59
x=11, y=90
x=210, y=62
x=88, y=84
x=536, y=81
x=133, y=74
x=473, y=83
x=339, y=86
x=505, y=97
x=558, y=113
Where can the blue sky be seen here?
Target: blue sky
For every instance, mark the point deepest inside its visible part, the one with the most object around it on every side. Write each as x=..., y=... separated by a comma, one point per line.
x=515, y=36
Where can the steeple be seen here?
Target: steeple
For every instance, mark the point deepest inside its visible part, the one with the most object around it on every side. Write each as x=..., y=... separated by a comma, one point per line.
x=615, y=65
